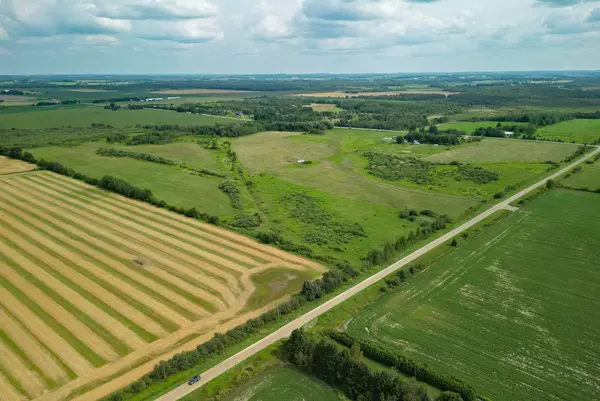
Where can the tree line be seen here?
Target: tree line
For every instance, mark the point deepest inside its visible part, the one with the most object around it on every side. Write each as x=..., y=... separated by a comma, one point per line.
x=407, y=366
x=137, y=156
x=345, y=370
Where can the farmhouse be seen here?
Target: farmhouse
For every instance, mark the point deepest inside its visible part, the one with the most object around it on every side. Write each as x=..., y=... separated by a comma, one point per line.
x=508, y=133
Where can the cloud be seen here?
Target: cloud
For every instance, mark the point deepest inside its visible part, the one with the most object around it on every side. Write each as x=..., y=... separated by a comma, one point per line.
x=157, y=9
x=188, y=31
x=563, y=3
x=58, y=17
x=3, y=33
x=593, y=17
x=5, y=52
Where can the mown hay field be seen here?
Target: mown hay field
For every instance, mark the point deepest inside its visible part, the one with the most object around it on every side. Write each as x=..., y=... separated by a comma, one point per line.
x=93, y=285
x=513, y=311
x=11, y=166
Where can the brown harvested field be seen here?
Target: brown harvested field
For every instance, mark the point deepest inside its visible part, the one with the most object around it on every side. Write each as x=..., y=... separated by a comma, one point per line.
x=11, y=166
x=200, y=91
x=371, y=94
x=324, y=107
x=93, y=284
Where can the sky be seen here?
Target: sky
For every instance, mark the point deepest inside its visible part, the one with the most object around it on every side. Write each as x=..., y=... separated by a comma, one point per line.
x=296, y=36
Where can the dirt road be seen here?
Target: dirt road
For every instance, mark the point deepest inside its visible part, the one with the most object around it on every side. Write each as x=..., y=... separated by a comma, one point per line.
x=286, y=330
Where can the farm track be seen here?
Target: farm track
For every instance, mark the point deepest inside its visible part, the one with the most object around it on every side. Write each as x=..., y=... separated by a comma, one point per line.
x=96, y=286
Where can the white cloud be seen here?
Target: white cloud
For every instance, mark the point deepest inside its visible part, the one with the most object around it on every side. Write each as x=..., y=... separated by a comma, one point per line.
x=157, y=9
x=187, y=31
x=5, y=52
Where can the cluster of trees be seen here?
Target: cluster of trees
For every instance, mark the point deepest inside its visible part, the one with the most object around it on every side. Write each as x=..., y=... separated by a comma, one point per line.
x=446, y=138
x=124, y=188
x=581, y=150
x=112, y=106
x=380, y=256
x=151, y=138
x=478, y=175
x=135, y=155
x=231, y=190
x=397, y=168
x=406, y=366
x=543, y=119
x=17, y=153
x=346, y=371
x=118, y=99
x=221, y=342
x=520, y=131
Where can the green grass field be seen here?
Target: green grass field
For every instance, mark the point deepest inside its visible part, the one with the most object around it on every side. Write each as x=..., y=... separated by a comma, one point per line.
x=469, y=126
x=512, y=311
x=53, y=117
x=505, y=150
x=580, y=131
x=588, y=177
x=284, y=384
x=173, y=185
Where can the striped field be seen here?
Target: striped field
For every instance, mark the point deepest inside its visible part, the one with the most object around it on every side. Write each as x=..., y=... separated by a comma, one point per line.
x=11, y=166
x=92, y=284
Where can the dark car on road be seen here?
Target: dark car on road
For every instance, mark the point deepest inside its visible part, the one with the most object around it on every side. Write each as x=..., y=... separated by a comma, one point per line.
x=194, y=380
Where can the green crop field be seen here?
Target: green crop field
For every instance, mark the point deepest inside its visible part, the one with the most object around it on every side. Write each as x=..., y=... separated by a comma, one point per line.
x=580, y=131
x=513, y=310
x=469, y=127
x=284, y=384
x=492, y=150
x=173, y=185
x=52, y=117
x=588, y=177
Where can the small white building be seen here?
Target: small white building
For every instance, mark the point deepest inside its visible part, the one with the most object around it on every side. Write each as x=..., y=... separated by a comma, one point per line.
x=416, y=143
x=301, y=161
x=508, y=133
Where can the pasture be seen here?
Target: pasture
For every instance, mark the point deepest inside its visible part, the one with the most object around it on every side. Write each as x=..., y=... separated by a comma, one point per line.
x=62, y=116
x=93, y=284
x=173, y=185
x=375, y=94
x=512, y=310
x=12, y=166
x=580, y=131
x=284, y=384
x=588, y=177
x=491, y=150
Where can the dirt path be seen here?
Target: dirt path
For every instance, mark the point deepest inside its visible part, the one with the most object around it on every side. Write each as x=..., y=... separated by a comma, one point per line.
x=44, y=333
x=116, y=328
x=119, y=283
x=49, y=367
x=286, y=330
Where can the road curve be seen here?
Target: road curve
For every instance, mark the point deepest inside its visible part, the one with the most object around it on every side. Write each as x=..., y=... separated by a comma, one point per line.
x=286, y=330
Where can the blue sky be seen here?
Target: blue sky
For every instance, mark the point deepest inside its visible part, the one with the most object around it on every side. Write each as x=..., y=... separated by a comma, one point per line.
x=296, y=36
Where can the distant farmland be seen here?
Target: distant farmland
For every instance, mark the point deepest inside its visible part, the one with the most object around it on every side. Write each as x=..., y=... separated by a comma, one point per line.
x=92, y=284
x=512, y=311
x=85, y=116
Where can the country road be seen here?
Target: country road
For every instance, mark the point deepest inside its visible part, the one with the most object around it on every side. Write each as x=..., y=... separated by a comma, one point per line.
x=286, y=330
